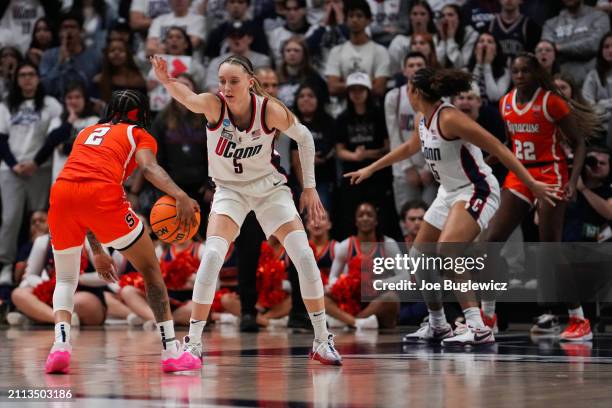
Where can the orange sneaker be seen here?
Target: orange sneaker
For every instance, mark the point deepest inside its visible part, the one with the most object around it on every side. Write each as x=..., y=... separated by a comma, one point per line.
x=490, y=321
x=577, y=330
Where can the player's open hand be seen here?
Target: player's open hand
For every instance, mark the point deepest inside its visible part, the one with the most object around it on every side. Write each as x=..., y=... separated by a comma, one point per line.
x=310, y=201
x=186, y=208
x=160, y=66
x=549, y=193
x=105, y=267
x=359, y=175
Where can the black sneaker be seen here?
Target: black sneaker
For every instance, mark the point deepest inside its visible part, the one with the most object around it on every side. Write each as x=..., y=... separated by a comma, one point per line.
x=248, y=324
x=546, y=324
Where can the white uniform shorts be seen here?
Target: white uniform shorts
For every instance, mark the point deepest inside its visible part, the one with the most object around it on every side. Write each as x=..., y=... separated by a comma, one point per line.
x=269, y=197
x=481, y=202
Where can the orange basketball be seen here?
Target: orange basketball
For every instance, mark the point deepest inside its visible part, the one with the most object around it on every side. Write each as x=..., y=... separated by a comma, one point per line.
x=165, y=224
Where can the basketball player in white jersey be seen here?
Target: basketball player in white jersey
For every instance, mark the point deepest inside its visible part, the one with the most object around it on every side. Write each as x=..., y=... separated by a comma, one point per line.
x=242, y=121
x=468, y=195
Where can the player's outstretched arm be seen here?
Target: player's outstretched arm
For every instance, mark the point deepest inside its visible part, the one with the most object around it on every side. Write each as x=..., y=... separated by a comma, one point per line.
x=402, y=152
x=205, y=103
x=456, y=124
x=156, y=175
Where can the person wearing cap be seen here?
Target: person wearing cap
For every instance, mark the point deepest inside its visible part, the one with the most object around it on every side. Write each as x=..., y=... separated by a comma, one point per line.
x=360, y=53
x=219, y=39
x=239, y=40
x=362, y=139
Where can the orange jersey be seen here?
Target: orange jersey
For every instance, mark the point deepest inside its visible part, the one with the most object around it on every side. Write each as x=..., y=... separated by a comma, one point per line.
x=532, y=128
x=106, y=152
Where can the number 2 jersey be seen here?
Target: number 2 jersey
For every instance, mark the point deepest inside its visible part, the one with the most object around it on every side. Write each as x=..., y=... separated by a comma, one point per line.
x=532, y=128
x=106, y=153
x=454, y=163
x=236, y=155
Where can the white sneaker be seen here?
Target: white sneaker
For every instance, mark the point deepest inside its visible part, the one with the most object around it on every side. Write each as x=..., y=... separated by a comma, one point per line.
x=133, y=320
x=74, y=320
x=16, y=318
x=368, y=323
x=468, y=335
x=228, y=318
x=429, y=334
x=192, y=347
x=325, y=352
x=334, y=323
x=282, y=322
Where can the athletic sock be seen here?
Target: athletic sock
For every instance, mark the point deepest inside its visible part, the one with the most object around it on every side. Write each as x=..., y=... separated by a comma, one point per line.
x=577, y=313
x=488, y=307
x=437, y=318
x=196, y=327
x=319, y=324
x=62, y=332
x=166, y=330
x=473, y=318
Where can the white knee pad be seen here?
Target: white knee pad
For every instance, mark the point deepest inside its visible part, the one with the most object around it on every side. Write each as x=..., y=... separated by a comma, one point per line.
x=215, y=250
x=67, y=267
x=296, y=245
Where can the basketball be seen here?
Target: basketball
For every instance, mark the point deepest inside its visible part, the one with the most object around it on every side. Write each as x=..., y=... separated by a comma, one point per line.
x=165, y=225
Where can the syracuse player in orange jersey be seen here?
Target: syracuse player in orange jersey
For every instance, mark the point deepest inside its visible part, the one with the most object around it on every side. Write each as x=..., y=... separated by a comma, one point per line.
x=538, y=118
x=88, y=199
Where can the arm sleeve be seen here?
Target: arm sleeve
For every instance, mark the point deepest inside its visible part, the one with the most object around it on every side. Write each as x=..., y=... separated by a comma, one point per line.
x=341, y=252
x=557, y=108
x=306, y=149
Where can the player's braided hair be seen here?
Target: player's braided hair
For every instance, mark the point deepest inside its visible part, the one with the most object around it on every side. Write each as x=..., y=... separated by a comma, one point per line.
x=246, y=64
x=127, y=106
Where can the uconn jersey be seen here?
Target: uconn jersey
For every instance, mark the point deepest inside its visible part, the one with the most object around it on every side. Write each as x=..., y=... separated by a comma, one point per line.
x=461, y=171
x=241, y=155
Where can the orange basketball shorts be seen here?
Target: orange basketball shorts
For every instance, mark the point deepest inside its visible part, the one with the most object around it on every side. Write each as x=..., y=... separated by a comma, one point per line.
x=555, y=173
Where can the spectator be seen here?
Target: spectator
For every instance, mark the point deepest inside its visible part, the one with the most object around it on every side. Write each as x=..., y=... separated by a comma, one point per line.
x=43, y=38
x=541, y=10
x=121, y=31
x=480, y=13
x=362, y=139
x=576, y=32
x=239, y=41
x=359, y=54
x=411, y=177
x=390, y=18
x=412, y=214
x=119, y=71
x=588, y=218
x=78, y=114
x=546, y=54
x=71, y=61
x=438, y=5
x=24, y=124
x=424, y=44
x=296, y=70
x=597, y=87
x=142, y=13
x=515, y=32
x=310, y=110
x=98, y=17
x=17, y=19
x=456, y=38
x=182, y=17
x=38, y=227
x=219, y=38
x=331, y=31
x=421, y=22
x=490, y=68
x=10, y=58
x=296, y=25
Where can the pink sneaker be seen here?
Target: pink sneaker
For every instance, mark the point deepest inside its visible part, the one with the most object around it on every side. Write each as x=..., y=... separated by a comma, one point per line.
x=174, y=359
x=58, y=361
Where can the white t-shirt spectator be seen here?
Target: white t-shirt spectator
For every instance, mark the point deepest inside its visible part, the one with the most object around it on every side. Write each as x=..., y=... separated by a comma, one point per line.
x=371, y=58
x=18, y=21
x=151, y=8
x=193, y=24
x=278, y=36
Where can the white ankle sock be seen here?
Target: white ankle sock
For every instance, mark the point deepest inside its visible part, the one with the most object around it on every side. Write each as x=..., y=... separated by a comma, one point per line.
x=578, y=313
x=319, y=324
x=488, y=307
x=196, y=327
x=62, y=332
x=437, y=318
x=473, y=318
x=166, y=329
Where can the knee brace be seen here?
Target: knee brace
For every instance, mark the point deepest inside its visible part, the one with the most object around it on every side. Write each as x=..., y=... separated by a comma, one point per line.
x=67, y=267
x=215, y=250
x=296, y=245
